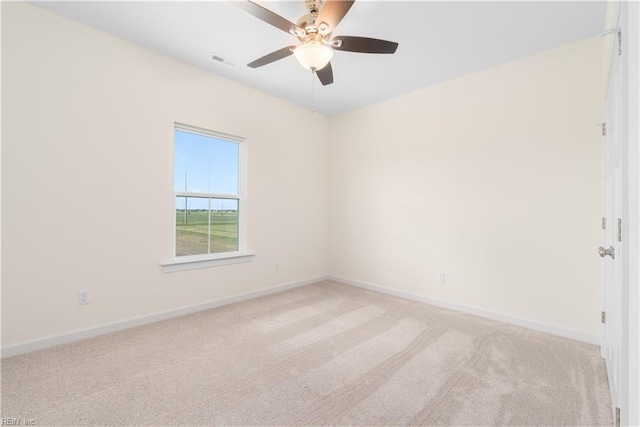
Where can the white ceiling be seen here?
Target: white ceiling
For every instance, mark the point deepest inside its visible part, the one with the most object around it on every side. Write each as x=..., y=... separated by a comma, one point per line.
x=438, y=41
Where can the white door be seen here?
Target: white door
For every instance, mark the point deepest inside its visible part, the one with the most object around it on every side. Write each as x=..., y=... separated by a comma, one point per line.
x=612, y=250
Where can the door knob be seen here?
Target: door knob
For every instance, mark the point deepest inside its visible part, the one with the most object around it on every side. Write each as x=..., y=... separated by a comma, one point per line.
x=604, y=252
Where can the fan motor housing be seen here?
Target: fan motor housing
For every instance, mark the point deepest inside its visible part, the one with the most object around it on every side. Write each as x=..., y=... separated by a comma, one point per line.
x=308, y=22
x=313, y=6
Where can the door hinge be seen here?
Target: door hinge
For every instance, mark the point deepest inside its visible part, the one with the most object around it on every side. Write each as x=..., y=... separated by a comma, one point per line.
x=604, y=223
x=603, y=317
x=619, y=43
x=619, y=230
x=617, y=417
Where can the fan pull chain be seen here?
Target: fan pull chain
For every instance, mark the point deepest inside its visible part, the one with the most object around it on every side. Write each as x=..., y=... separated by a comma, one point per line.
x=313, y=91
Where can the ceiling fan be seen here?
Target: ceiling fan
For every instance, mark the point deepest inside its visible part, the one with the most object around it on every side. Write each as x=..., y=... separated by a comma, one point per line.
x=315, y=31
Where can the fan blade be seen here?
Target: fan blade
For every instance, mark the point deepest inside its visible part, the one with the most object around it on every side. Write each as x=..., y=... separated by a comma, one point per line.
x=333, y=11
x=272, y=57
x=325, y=74
x=265, y=15
x=365, y=45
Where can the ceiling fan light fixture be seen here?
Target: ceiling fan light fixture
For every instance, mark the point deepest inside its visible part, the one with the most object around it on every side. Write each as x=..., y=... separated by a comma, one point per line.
x=313, y=55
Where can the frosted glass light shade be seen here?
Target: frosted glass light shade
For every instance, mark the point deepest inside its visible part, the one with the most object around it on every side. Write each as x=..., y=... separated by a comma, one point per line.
x=313, y=55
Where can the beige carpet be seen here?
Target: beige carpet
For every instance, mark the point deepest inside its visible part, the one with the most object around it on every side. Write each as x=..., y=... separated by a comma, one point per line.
x=324, y=354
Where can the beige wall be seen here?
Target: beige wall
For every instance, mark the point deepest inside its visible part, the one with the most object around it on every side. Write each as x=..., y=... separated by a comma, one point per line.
x=493, y=178
x=87, y=142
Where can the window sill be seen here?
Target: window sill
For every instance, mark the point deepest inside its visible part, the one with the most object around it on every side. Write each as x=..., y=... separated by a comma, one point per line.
x=192, y=263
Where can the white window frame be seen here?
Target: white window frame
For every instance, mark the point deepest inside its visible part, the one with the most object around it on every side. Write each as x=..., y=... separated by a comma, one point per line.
x=188, y=262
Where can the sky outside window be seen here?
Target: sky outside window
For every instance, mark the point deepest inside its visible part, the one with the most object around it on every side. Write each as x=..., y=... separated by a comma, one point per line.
x=210, y=164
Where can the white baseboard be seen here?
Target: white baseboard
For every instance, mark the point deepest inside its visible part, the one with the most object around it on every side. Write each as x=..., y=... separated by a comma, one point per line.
x=518, y=321
x=29, y=346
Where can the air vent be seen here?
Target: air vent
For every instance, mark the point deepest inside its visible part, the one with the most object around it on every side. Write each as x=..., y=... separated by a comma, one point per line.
x=223, y=60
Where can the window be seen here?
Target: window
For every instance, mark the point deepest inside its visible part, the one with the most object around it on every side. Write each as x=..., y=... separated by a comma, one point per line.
x=208, y=191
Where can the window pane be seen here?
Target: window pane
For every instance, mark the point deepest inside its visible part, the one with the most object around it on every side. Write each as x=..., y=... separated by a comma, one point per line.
x=192, y=226
x=206, y=225
x=204, y=164
x=224, y=225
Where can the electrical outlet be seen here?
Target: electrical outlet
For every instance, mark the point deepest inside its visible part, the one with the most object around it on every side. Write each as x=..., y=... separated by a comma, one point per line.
x=441, y=277
x=277, y=267
x=83, y=297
